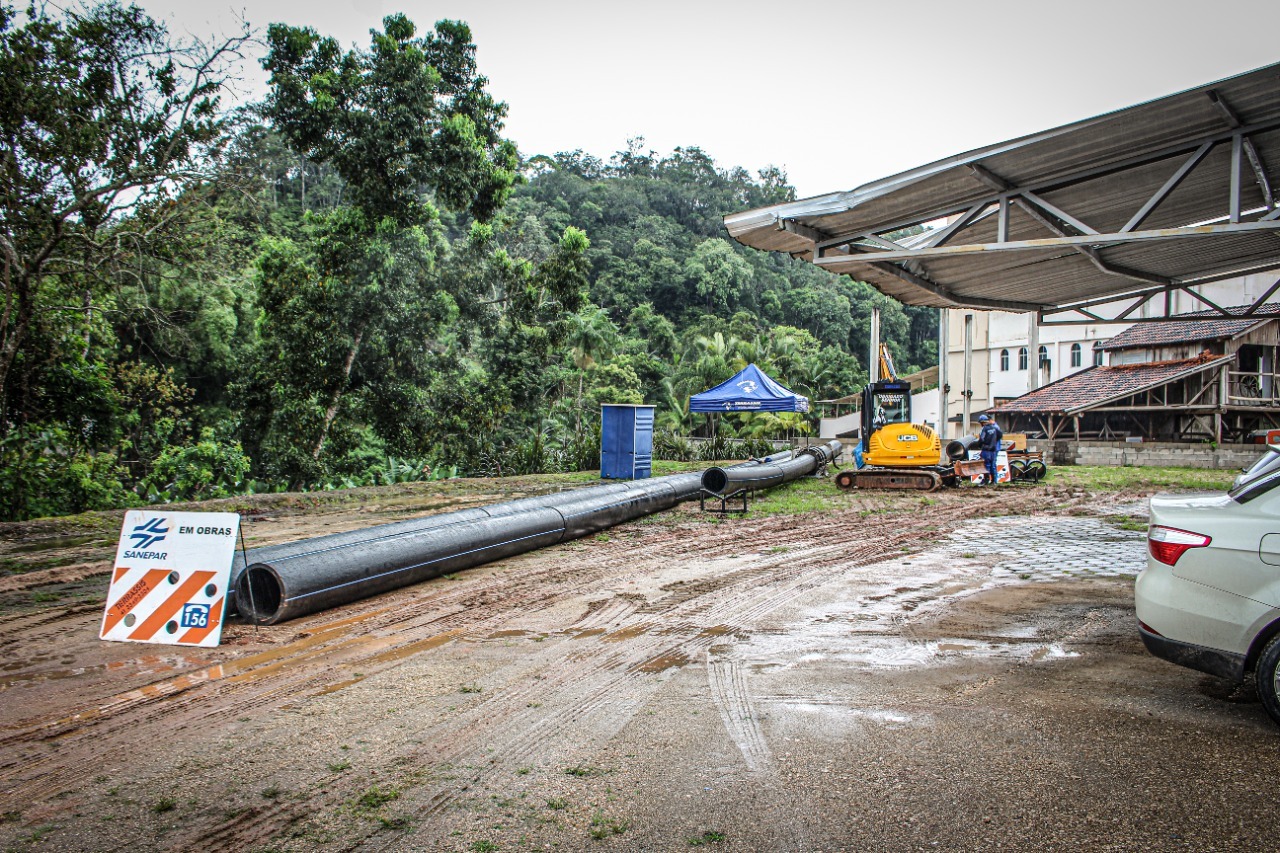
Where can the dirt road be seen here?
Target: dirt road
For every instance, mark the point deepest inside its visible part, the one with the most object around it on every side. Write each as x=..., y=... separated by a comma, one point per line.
x=956, y=671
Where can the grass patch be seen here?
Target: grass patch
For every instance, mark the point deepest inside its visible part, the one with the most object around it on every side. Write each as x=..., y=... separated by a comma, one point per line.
x=807, y=494
x=708, y=837
x=339, y=766
x=1097, y=478
x=164, y=804
x=557, y=804
x=375, y=798
x=603, y=827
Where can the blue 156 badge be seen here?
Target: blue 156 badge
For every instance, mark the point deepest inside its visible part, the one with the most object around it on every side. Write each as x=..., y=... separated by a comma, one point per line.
x=195, y=615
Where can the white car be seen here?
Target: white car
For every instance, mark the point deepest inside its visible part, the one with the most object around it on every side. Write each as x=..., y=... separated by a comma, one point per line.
x=1209, y=598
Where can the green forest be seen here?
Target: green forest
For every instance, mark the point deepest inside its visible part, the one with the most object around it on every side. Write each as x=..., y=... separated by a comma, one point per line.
x=359, y=279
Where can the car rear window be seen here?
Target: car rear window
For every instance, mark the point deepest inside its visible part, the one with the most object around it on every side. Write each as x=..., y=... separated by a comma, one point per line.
x=1267, y=463
x=1259, y=478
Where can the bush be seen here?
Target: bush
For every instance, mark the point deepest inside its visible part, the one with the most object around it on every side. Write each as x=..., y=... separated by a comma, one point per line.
x=191, y=472
x=43, y=473
x=673, y=448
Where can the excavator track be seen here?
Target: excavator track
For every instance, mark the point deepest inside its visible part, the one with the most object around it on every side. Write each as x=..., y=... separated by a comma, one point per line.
x=887, y=478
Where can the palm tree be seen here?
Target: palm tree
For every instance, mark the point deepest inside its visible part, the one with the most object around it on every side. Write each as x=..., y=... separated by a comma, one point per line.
x=673, y=413
x=592, y=338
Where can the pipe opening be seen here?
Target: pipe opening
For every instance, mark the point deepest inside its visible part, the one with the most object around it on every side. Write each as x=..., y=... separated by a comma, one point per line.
x=715, y=480
x=258, y=594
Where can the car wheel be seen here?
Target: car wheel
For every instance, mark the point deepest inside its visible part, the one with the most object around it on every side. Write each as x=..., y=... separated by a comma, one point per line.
x=1267, y=672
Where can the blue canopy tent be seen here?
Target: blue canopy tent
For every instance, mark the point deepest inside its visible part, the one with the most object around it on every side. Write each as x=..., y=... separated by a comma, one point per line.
x=749, y=391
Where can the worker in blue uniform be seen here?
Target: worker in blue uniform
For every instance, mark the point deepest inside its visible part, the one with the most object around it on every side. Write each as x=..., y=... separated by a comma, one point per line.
x=989, y=446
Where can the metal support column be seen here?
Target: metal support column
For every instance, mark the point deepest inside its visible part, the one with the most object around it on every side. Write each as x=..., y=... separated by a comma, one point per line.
x=873, y=365
x=944, y=387
x=965, y=426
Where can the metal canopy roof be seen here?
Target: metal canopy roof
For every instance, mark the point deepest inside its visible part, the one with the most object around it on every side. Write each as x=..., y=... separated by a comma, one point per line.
x=1083, y=223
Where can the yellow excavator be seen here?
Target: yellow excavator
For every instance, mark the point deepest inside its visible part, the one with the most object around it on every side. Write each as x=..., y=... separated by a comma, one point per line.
x=895, y=453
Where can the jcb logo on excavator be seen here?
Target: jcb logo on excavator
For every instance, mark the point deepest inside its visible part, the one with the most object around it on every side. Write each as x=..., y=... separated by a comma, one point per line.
x=909, y=437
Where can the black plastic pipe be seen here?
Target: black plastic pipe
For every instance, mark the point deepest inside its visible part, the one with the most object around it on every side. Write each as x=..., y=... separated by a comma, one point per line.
x=766, y=473
x=283, y=582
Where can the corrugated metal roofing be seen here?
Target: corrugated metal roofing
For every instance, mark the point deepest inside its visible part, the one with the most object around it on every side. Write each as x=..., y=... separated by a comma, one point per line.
x=1099, y=385
x=1100, y=172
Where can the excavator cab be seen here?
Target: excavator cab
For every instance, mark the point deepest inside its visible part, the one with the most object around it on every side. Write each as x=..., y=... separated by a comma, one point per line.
x=884, y=403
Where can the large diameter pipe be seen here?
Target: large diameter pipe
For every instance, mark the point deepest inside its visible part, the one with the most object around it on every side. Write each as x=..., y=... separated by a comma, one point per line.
x=396, y=535
x=727, y=482
x=958, y=448
x=281, y=588
x=284, y=582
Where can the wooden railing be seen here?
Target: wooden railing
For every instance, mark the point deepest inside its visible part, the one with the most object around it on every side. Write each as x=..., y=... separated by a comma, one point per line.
x=1251, y=388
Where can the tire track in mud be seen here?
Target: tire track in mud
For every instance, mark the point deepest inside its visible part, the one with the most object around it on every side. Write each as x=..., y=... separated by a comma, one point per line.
x=687, y=641
x=729, y=692
x=601, y=681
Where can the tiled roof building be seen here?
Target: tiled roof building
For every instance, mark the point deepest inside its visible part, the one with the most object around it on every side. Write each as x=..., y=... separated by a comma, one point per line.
x=1210, y=379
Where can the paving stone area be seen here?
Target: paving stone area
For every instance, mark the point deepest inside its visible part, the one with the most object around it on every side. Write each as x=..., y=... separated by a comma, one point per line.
x=1045, y=549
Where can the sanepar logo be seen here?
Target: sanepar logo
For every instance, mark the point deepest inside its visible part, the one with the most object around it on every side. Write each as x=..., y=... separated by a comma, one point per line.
x=146, y=535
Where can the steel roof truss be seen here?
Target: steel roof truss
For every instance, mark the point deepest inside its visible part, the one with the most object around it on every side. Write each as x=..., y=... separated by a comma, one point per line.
x=1005, y=191
x=976, y=213
x=939, y=290
x=1250, y=150
x=1169, y=186
x=1068, y=241
x=1052, y=316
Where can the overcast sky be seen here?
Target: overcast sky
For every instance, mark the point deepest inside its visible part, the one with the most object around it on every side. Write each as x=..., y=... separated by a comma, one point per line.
x=836, y=93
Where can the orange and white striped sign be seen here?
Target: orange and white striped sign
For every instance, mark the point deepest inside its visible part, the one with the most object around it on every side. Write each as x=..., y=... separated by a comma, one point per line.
x=169, y=584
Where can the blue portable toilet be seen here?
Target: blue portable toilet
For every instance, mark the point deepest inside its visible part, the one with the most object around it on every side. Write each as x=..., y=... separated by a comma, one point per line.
x=626, y=442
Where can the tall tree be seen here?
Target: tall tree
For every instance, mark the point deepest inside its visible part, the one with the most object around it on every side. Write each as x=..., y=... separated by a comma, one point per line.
x=408, y=126
x=101, y=116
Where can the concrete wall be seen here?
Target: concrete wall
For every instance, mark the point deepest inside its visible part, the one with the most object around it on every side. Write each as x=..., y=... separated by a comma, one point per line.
x=1120, y=454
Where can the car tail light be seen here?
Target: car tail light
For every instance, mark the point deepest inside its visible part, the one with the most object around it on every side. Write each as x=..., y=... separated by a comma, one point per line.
x=1167, y=544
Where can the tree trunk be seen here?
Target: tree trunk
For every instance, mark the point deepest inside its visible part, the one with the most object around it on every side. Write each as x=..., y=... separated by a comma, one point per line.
x=332, y=411
x=577, y=407
x=14, y=323
x=87, y=300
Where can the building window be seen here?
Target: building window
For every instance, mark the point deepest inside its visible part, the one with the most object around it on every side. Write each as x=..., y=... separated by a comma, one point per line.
x=1022, y=359
x=1044, y=356
x=1004, y=359
x=1075, y=355
x=1097, y=353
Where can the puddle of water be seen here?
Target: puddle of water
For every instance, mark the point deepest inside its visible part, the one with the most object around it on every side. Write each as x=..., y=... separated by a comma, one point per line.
x=341, y=685
x=663, y=662
x=407, y=651
x=501, y=635
x=588, y=632
x=1052, y=652
x=628, y=633
x=146, y=665
x=844, y=711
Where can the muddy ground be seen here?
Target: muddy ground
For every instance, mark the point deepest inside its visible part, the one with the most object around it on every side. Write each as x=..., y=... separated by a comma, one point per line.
x=902, y=672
